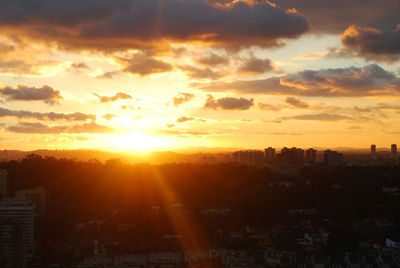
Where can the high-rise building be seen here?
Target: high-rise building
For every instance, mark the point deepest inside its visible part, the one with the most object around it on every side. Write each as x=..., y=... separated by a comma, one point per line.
x=37, y=196
x=16, y=233
x=333, y=158
x=373, y=150
x=249, y=157
x=3, y=182
x=11, y=243
x=393, y=150
x=293, y=156
x=269, y=155
x=311, y=156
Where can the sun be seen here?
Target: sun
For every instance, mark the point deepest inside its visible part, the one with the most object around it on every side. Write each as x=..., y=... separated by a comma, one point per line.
x=137, y=141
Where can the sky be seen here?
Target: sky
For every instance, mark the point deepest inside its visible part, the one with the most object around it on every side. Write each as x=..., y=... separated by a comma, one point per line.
x=149, y=75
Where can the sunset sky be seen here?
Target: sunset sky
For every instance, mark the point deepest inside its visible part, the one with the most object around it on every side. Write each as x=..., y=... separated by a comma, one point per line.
x=165, y=74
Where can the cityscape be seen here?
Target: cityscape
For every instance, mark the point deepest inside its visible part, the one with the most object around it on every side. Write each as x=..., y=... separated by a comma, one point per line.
x=267, y=209
x=297, y=157
x=199, y=133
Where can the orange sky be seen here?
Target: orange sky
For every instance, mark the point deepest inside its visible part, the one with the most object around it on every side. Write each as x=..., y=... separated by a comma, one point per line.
x=158, y=75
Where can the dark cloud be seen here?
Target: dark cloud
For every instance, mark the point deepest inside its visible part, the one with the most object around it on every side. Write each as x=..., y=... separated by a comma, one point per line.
x=372, y=43
x=79, y=66
x=335, y=16
x=296, y=103
x=39, y=128
x=143, y=64
x=109, y=75
x=183, y=119
x=254, y=66
x=318, y=117
x=387, y=106
x=182, y=98
x=123, y=24
x=362, y=110
x=213, y=60
x=228, y=103
x=199, y=73
x=52, y=116
x=117, y=96
x=269, y=107
x=24, y=93
x=379, y=109
x=109, y=116
x=342, y=82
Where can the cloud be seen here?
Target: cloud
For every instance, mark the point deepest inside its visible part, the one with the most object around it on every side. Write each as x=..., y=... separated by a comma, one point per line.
x=143, y=64
x=6, y=48
x=39, y=128
x=362, y=110
x=335, y=16
x=378, y=109
x=25, y=93
x=184, y=133
x=51, y=116
x=354, y=127
x=127, y=24
x=269, y=107
x=228, y=103
x=313, y=56
x=22, y=58
x=183, y=119
x=199, y=73
x=296, y=103
x=91, y=127
x=109, y=75
x=387, y=106
x=182, y=98
x=21, y=67
x=117, y=96
x=372, y=43
x=124, y=107
x=213, y=60
x=254, y=66
x=284, y=133
x=371, y=80
x=318, y=117
x=109, y=116
x=79, y=66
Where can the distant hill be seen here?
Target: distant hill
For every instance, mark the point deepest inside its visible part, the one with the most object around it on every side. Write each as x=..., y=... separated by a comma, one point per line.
x=84, y=155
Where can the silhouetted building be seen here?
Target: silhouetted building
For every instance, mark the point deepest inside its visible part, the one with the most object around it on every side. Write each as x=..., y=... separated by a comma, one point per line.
x=311, y=156
x=3, y=182
x=16, y=233
x=373, y=151
x=269, y=155
x=393, y=150
x=250, y=157
x=36, y=196
x=293, y=156
x=333, y=158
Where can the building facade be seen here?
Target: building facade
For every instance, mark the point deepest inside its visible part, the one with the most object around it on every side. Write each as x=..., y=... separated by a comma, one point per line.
x=16, y=233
